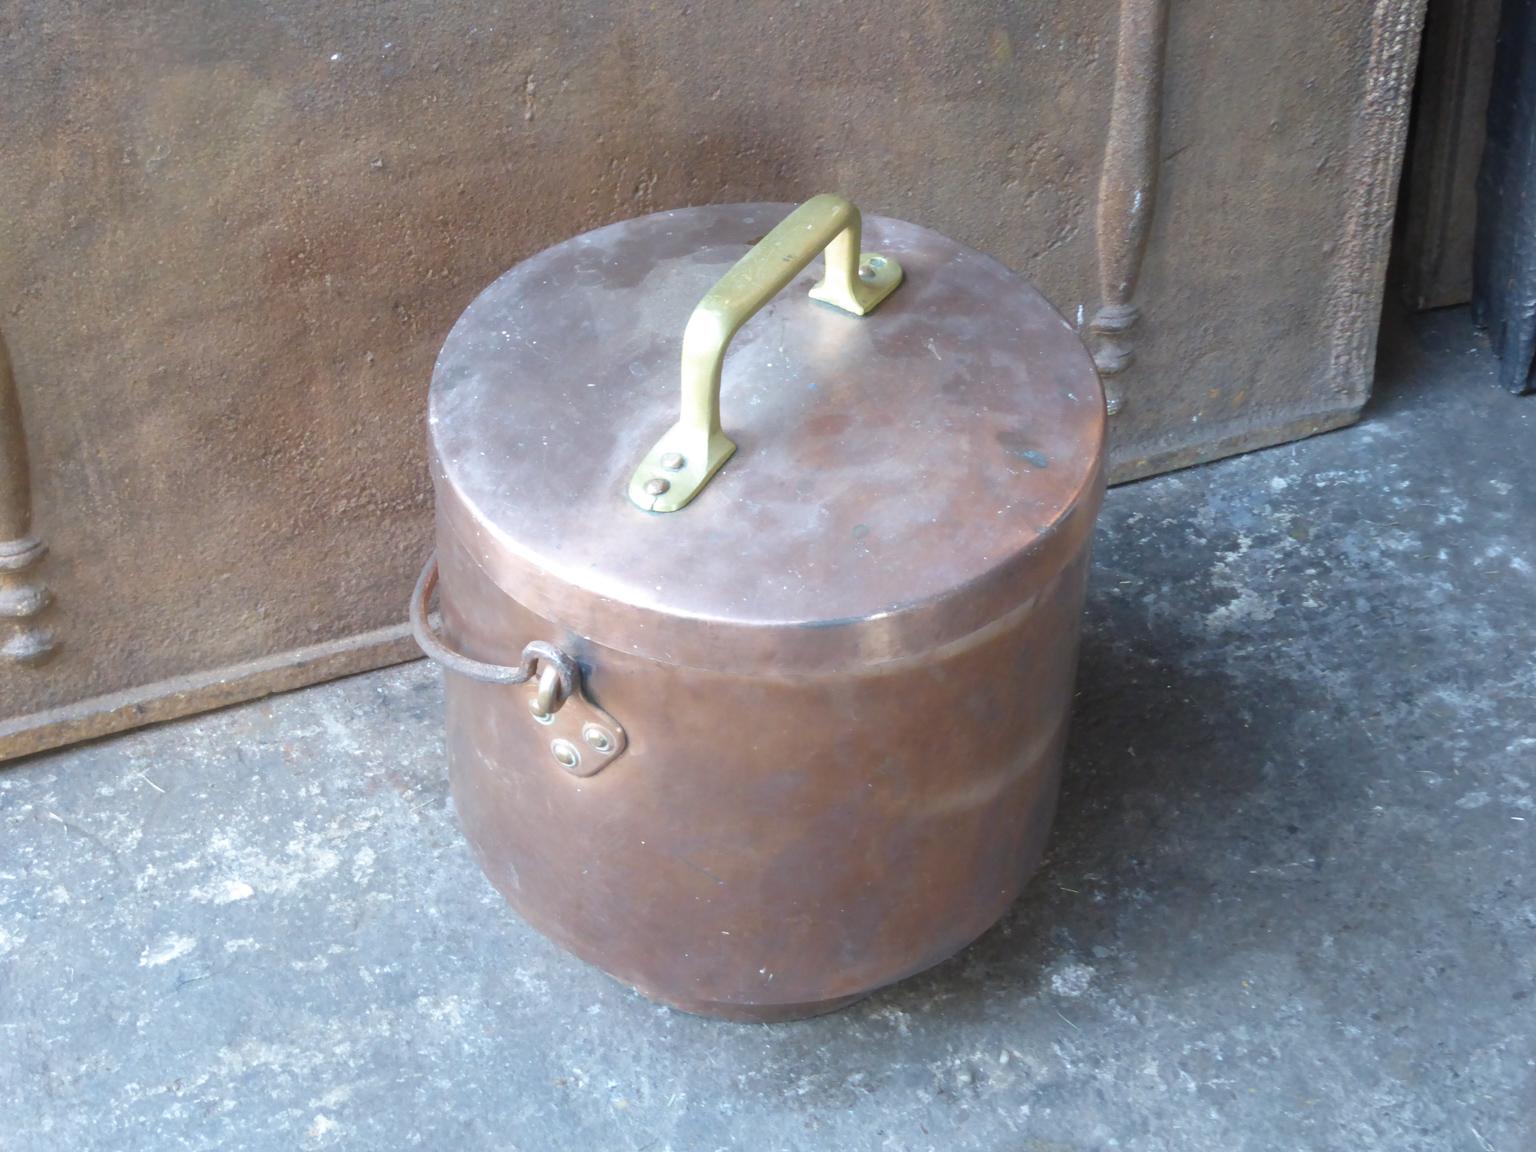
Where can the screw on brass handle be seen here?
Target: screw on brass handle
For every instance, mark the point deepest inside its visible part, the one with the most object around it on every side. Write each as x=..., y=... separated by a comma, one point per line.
x=692, y=451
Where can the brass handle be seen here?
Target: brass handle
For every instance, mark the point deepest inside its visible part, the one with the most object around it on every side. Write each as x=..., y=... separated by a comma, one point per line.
x=692, y=451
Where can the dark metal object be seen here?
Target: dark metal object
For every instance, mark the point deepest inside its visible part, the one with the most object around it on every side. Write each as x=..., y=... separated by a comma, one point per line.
x=1438, y=209
x=23, y=595
x=845, y=668
x=1504, y=262
x=1128, y=184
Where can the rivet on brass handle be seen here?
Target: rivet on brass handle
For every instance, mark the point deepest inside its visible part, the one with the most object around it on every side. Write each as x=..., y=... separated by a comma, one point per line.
x=692, y=451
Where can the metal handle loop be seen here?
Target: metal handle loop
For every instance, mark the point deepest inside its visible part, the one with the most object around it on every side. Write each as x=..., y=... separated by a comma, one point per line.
x=687, y=457
x=534, y=654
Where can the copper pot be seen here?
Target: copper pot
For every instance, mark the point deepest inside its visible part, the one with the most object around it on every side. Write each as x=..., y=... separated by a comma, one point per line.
x=758, y=703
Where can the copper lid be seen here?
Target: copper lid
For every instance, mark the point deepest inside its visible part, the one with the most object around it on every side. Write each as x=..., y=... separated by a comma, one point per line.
x=902, y=479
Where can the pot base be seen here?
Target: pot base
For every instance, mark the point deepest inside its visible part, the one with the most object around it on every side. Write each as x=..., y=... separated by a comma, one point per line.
x=760, y=1013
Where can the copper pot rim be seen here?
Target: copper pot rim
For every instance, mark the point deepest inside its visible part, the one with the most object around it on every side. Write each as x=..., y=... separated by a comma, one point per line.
x=958, y=616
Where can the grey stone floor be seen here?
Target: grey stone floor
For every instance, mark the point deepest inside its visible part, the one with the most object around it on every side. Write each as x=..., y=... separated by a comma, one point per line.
x=1289, y=903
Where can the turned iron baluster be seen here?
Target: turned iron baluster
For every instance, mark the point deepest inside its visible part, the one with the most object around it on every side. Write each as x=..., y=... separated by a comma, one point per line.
x=1128, y=185
x=23, y=595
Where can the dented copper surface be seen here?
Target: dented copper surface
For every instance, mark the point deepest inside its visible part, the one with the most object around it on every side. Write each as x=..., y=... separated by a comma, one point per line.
x=843, y=671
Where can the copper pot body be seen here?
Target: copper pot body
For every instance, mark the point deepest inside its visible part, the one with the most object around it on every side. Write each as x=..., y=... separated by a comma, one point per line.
x=769, y=846
x=806, y=810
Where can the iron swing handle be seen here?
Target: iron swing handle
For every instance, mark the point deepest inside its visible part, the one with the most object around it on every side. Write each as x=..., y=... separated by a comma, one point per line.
x=687, y=457
x=584, y=739
x=534, y=653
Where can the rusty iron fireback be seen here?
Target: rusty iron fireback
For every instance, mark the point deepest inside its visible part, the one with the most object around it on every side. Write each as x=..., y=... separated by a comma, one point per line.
x=760, y=595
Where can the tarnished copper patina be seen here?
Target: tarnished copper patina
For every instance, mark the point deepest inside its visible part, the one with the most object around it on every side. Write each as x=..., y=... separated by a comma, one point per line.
x=802, y=736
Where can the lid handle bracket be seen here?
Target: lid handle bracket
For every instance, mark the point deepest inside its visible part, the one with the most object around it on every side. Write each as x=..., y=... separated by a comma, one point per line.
x=687, y=457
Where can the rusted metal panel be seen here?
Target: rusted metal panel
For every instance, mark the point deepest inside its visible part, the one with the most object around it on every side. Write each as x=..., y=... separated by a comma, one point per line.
x=235, y=236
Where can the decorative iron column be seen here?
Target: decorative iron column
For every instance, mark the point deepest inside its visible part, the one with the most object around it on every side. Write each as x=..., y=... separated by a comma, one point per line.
x=23, y=595
x=1128, y=185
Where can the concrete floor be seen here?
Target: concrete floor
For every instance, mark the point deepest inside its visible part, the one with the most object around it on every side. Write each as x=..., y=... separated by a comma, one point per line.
x=1290, y=901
